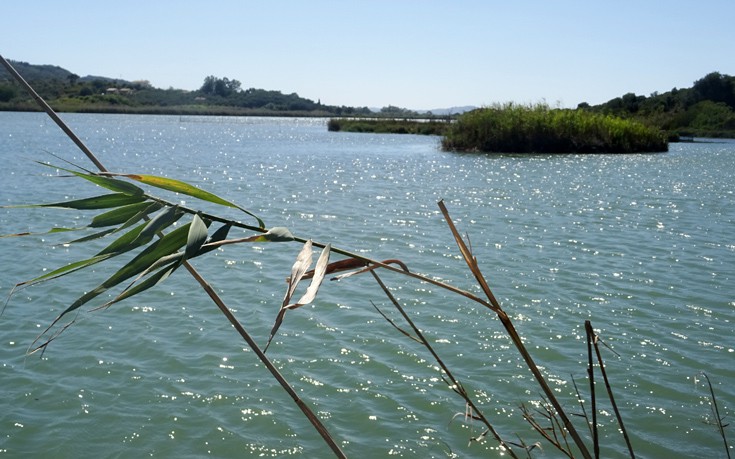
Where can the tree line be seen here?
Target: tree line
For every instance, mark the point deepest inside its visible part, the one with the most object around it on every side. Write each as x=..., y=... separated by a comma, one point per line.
x=66, y=91
x=706, y=109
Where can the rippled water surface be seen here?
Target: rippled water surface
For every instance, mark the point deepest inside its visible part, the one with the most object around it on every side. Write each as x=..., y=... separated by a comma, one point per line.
x=640, y=245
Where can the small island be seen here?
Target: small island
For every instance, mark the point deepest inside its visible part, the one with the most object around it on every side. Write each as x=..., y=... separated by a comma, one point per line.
x=515, y=128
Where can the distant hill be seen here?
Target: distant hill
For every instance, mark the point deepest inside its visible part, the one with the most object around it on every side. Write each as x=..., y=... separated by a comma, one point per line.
x=68, y=92
x=707, y=109
x=32, y=72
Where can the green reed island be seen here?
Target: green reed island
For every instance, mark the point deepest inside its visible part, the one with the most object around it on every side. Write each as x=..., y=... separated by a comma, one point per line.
x=515, y=128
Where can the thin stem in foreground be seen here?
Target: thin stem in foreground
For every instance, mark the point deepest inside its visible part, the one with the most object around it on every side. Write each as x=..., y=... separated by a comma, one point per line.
x=716, y=412
x=268, y=364
x=515, y=337
x=590, y=332
x=455, y=384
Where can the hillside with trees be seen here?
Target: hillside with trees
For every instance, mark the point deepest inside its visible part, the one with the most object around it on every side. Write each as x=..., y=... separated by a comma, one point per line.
x=707, y=109
x=68, y=92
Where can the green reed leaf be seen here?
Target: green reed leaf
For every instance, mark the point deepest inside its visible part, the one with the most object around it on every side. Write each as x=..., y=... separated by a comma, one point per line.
x=110, y=183
x=92, y=237
x=128, y=215
x=51, y=231
x=219, y=235
x=276, y=234
x=123, y=214
x=151, y=281
x=167, y=245
x=105, y=201
x=178, y=186
x=123, y=244
x=165, y=218
x=126, y=242
x=70, y=268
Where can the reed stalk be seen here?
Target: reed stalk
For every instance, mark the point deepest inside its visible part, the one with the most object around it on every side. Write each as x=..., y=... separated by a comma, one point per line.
x=716, y=414
x=513, y=333
x=453, y=382
x=310, y=415
x=593, y=338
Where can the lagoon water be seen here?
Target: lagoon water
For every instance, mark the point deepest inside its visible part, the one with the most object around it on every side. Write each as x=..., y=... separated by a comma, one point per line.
x=641, y=245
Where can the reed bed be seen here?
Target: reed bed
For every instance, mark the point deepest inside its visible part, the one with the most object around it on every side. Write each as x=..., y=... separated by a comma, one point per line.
x=388, y=126
x=513, y=128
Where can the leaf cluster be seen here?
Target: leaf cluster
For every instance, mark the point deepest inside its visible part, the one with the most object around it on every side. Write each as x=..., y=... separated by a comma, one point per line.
x=144, y=225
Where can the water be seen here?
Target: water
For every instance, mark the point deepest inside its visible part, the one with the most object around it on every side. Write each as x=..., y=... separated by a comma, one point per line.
x=640, y=245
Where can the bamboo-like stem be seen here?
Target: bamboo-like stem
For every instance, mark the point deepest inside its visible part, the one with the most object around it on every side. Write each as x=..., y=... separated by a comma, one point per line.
x=202, y=282
x=581, y=405
x=456, y=385
x=590, y=332
x=716, y=413
x=52, y=114
x=515, y=337
x=593, y=396
x=268, y=364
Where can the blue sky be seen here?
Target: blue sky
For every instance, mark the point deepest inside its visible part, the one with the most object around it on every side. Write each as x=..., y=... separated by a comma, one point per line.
x=420, y=54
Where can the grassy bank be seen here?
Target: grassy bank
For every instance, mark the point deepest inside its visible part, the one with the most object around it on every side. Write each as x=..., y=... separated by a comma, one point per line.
x=388, y=126
x=539, y=129
x=198, y=110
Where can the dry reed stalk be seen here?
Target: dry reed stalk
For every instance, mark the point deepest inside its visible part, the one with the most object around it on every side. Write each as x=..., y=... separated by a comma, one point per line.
x=716, y=414
x=515, y=337
x=453, y=382
x=593, y=338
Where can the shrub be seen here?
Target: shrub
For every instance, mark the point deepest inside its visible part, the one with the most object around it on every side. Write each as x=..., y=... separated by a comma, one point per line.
x=7, y=92
x=515, y=128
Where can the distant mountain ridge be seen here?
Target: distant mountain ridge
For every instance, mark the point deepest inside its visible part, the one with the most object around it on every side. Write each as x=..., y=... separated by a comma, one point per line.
x=46, y=72
x=36, y=72
x=450, y=110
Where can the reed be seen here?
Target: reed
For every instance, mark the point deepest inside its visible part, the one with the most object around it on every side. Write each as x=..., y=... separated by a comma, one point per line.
x=150, y=228
x=388, y=126
x=513, y=128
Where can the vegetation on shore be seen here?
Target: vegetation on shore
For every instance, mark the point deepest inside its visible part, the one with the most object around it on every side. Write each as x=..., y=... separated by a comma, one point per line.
x=540, y=129
x=390, y=125
x=68, y=92
x=707, y=109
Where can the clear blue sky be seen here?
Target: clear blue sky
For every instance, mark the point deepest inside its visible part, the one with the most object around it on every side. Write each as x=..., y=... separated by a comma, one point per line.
x=418, y=54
